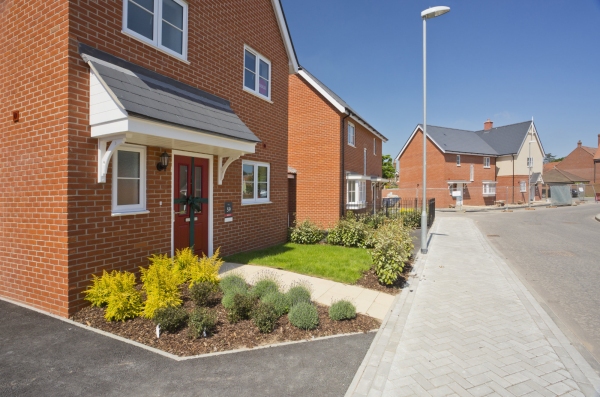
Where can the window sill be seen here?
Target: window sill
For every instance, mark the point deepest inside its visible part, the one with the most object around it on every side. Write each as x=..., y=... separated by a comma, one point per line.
x=155, y=47
x=264, y=98
x=486, y=167
x=257, y=203
x=352, y=145
x=489, y=194
x=130, y=213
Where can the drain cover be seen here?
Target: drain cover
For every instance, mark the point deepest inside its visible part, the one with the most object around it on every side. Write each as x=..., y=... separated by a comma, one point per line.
x=493, y=235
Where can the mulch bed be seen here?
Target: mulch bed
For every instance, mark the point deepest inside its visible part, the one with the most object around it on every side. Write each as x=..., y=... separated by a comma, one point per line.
x=369, y=280
x=227, y=336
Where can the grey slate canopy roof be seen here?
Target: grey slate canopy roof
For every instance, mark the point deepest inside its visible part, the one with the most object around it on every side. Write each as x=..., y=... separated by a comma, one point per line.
x=339, y=99
x=151, y=95
x=499, y=141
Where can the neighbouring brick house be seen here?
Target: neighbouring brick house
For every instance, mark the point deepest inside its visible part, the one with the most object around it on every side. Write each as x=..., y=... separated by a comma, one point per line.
x=579, y=162
x=471, y=167
x=333, y=153
x=95, y=95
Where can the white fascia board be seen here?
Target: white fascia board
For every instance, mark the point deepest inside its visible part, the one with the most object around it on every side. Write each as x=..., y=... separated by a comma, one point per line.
x=169, y=133
x=417, y=128
x=357, y=177
x=532, y=130
x=368, y=127
x=320, y=90
x=285, y=35
x=472, y=154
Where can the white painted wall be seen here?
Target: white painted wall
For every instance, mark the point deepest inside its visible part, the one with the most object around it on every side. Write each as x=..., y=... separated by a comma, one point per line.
x=504, y=163
x=102, y=106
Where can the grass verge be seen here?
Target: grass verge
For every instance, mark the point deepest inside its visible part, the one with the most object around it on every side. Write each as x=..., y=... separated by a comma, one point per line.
x=342, y=264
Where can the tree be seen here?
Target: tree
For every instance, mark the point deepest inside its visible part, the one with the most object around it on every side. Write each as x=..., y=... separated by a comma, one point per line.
x=549, y=158
x=387, y=167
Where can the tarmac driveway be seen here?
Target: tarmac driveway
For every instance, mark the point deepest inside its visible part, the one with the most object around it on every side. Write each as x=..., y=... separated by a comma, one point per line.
x=43, y=356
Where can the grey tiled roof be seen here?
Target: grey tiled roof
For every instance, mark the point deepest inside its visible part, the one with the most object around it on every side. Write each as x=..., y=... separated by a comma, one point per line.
x=340, y=100
x=145, y=93
x=459, y=141
x=506, y=139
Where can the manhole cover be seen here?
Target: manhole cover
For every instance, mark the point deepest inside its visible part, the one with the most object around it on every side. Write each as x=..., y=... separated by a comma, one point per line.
x=557, y=253
x=493, y=235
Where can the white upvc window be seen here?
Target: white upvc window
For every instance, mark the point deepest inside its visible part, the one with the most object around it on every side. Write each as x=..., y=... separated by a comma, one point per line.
x=529, y=162
x=161, y=23
x=458, y=160
x=489, y=188
x=365, y=161
x=129, y=179
x=374, y=147
x=486, y=162
x=356, y=194
x=351, y=134
x=257, y=73
x=523, y=187
x=255, y=182
x=472, y=172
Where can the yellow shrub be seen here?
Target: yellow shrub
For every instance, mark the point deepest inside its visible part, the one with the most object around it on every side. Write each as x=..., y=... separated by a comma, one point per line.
x=117, y=291
x=182, y=261
x=206, y=269
x=161, y=283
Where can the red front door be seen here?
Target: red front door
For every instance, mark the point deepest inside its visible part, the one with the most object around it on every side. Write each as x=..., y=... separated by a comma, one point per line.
x=190, y=194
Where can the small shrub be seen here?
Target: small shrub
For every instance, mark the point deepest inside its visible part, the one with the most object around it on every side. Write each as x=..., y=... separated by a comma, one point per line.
x=201, y=292
x=202, y=322
x=227, y=300
x=182, y=262
x=298, y=293
x=266, y=284
x=279, y=300
x=349, y=232
x=306, y=232
x=303, y=315
x=170, y=318
x=206, y=269
x=116, y=291
x=161, y=283
x=241, y=308
x=393, y=246
x=232, y=282
x=342, y=310
x=265, y=317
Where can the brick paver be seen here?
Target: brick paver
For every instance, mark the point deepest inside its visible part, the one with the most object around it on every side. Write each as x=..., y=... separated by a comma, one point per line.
x=469, y=328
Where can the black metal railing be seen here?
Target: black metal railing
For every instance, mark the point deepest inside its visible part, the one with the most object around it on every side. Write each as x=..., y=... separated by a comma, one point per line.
x=408, y=209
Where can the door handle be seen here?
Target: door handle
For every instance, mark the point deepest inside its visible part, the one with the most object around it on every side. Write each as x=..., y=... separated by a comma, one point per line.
x=188, y=219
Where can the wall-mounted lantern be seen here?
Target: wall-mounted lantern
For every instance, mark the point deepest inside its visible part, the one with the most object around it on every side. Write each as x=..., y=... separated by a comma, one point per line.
x=164, y=162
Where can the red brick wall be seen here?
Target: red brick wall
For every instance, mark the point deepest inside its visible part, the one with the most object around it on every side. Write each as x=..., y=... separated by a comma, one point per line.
x=33, y=181
x=579, y=162
x=48, y=256
x=506, y=190
x=314, y=151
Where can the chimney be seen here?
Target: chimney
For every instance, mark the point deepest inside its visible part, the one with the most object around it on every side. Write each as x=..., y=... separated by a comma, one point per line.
x=598, y=140
x=579, y=143
x=488, y=125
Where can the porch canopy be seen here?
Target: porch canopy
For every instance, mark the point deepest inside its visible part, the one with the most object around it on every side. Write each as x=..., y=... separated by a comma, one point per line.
x=129, y=103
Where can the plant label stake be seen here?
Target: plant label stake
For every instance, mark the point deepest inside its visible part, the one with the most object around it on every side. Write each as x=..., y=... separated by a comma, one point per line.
x=157, y=331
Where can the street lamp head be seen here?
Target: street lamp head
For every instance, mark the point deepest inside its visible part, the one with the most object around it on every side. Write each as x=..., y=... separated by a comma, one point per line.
x=434, y=12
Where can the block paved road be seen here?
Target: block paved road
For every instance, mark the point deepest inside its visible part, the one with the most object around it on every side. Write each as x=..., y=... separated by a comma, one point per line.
x=43, y=356
x=557, y=252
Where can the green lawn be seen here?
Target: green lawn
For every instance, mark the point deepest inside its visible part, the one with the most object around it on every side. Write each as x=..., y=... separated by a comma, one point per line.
x=342, y=264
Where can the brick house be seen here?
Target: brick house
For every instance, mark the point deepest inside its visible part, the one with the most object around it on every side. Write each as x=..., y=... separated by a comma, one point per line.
x=597, y=164
x=97, y=96
x=579, y=162
x=471, y=167
x=333, y=153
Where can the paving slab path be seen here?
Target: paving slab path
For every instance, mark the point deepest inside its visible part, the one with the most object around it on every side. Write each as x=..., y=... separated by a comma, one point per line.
x=372, y=303
x=467, y=326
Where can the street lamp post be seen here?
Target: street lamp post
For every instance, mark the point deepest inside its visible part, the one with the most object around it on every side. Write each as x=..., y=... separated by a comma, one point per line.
x=425, y=15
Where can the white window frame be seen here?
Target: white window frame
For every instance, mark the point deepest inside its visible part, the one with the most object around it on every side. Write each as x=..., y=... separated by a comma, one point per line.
x=256, y=199
x=157, y=28
x=529, y=162
x=131, y=208
x=489, y=189
x=374, y=147
x=259, y=57
x=472, y=172
x=522, y=187
x=351, y=137
x=486, y=162
x=458, y=160
x=360, y=190
x=365, y=161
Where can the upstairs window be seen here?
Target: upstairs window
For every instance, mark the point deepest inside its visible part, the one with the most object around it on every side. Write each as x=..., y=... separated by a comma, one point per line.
x=351, y=134
x=486, y=162
x=257, y=73
x=374, y=147
x=529, y=162
x=162, y=23
x=365, y=162
x=458, y=160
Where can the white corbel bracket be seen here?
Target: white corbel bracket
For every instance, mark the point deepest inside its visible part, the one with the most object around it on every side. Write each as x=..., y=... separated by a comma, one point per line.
x=223, y=166
x=105, y=154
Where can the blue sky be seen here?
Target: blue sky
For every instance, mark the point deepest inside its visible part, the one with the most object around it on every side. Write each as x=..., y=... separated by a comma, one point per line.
x=507, y=60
